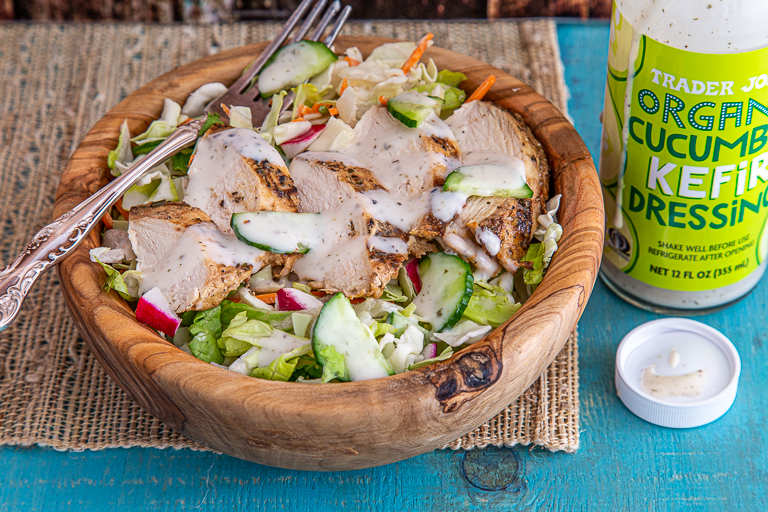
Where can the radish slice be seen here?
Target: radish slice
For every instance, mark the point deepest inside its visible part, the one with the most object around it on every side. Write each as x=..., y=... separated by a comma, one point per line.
x=430, y=351
x=291, y=299
x=412, y=270
x=155, y=311
x=298, y=144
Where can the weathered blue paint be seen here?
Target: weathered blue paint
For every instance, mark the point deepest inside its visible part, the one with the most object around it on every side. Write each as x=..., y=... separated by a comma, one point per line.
x=624, y=463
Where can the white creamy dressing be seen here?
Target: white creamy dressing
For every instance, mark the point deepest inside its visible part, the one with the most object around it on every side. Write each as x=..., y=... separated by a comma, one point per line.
x=389, y=245
x=486, y=266
x=401, y=211
x=674, y=359
x=392, y=151
x=217, y=155
x=490, y=241
x=277, y=344
x=665, y=386
x=445, y=205
x=198, y=243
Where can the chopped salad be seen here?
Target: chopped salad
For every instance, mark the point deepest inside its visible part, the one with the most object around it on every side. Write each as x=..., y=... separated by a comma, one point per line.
x=376, y=221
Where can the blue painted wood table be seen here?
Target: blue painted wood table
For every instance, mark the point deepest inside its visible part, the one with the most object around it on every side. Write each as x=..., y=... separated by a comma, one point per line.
x=623, y=464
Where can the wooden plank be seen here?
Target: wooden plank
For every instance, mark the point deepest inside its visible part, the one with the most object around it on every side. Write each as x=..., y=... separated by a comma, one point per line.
x=624, y=463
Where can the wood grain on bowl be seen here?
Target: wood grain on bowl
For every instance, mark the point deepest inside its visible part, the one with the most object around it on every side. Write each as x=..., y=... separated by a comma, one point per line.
x=350, y=425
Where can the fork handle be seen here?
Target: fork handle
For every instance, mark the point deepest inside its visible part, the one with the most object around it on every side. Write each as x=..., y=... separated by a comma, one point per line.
x=58, y=239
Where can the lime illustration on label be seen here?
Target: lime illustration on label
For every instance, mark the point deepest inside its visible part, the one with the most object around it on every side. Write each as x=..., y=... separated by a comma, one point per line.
x=687, y=202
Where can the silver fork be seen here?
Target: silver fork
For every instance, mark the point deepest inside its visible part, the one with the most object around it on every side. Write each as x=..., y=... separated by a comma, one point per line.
x=58, y=239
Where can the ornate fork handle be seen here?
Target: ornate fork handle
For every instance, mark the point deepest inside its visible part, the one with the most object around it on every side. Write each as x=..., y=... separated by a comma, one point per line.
x=57, y=240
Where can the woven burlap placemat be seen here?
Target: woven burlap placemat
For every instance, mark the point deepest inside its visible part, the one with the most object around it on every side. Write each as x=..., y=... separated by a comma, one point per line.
x=56, y=81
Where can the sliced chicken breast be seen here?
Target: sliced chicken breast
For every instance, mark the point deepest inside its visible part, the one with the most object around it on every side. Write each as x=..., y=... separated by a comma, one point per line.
x=235, y=170
x=202, y=268
x=406, y=161
x=481, y=127
x=153, y=229
x=360, y=267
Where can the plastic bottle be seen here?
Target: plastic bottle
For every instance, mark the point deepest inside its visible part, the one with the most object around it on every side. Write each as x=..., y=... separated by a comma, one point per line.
x=685, y=180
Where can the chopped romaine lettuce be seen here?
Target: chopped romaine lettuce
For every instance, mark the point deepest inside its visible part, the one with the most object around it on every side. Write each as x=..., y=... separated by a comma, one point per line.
x=451, y=78
x=445, y=354
x=394, y=293
x=205, y=330
x=541, y=254
x=210, y=120
x=466, y=331
x=122, y=153
x=490, y=305
x=275, y=319
x=163, y=127
x=334, y=366
x=241, y=334
x=115, y=281
x=283, y=367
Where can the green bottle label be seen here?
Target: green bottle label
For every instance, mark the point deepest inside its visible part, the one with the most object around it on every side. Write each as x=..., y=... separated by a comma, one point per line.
x=693, y=196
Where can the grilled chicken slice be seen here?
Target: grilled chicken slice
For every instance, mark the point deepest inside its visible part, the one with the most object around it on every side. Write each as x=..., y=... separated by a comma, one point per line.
x=406, y=161
x=202, y=267
x=360, y=267
x=324, y=180
x=502, y=225
x=481, y=127
x=235, y=170
x=154, y=229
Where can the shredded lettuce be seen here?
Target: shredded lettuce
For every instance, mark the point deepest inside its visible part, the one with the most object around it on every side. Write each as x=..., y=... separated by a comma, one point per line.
x=156, y=185
x=205, y=330
x=283, y=367
x=334, y=366
x=541, y=254
x=445, y=354
x=122, y=153
x=490, y=305
x=276, y=319
x=163, y=127
x=272, y=119
x=394, y=293
x=307, y=95
x=241, y=117
x=466, y=331
x=377, y=308
x=241, y=334
x=211, y=120
x=452, y=97
x=407, y=348
x=451, y=78
x=116, y=282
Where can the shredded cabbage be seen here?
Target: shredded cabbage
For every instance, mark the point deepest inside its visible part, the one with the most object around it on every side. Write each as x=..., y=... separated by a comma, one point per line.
x=283, y=367
x=490, y=305
x=163, y=127
x=466, y=331
x=122, y=153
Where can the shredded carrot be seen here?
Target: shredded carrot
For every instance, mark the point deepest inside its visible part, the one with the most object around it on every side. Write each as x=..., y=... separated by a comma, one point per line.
x=119, y=206
x=343, y=87
x=351, y=61
x=302, y=111
x=268, y=298
x=298, y=119
x=225, y=109
x=383, y=100
x=482, y=89
x=333, y=111
x=192, y=157
x=418, y=52
x=187, y=121
x=107, y=220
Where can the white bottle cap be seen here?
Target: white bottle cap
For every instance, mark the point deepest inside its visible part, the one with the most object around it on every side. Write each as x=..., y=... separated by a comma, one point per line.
x=696, y=347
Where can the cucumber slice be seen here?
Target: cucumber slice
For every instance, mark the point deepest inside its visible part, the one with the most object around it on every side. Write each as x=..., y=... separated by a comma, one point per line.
x=401, y=323
x=294, y=64
x=412, y=108
x=278, y=232
x=446, y=286
x=338, y=327
x=488, y=180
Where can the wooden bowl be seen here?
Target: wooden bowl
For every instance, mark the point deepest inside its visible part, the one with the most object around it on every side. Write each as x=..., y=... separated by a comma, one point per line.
x=350, y=425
